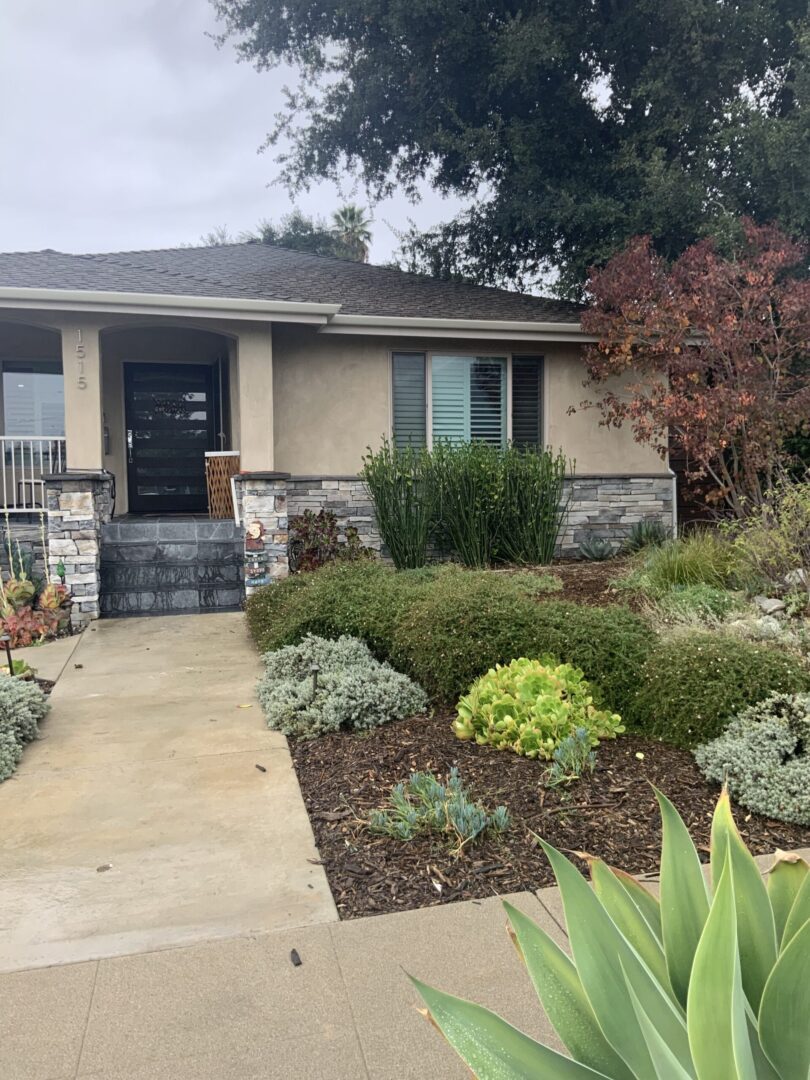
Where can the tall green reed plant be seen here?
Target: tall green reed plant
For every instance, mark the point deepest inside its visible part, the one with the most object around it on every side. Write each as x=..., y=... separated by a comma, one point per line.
x=402, y=488
x=469, y=481
x=534, y=505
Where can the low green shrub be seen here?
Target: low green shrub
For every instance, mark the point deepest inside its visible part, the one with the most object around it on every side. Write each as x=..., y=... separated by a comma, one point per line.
x=361, y=599
x=351, y=690
x=22, y=707
x=691, y=685
x=764, y=756
x=531, y=706
x=701, y=558
x=698, y=602
x=466, y=623
x=424, y=805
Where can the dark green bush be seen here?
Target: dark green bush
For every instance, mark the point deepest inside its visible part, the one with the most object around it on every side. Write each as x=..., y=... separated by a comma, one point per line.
x=467, y=622
x=692, y=684
x=362, y=599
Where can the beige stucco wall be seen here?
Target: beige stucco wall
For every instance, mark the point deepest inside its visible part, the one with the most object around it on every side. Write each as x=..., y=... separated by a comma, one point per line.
x=330, y=393
x=331, y=400
x=594, y=448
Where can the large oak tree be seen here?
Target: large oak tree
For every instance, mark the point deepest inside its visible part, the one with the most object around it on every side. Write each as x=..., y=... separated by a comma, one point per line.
x=571, y=125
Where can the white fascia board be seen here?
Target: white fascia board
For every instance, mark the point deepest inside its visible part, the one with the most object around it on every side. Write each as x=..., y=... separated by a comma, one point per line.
x=488, y=329
x=200, y=307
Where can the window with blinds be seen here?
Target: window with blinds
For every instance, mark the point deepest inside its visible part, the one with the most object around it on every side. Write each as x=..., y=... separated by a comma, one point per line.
x=469, y=398
x=527, y=401
x=410, y=405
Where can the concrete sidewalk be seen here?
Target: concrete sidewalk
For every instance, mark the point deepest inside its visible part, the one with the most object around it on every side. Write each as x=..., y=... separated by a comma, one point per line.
x=140, y=820
x=241, y=1010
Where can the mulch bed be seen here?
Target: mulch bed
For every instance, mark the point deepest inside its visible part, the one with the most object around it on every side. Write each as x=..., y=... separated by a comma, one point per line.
x=590, y=582
x=612, y=814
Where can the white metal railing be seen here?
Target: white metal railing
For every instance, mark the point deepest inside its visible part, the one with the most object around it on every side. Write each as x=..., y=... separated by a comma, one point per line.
x=25, y=460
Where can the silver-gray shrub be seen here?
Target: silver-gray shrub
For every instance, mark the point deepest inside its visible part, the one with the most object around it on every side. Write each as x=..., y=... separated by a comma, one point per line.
x=764, y=754
x=353, y=689
x=22, y=707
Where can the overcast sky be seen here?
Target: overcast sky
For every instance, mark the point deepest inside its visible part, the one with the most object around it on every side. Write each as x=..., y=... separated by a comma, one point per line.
x=124, y=127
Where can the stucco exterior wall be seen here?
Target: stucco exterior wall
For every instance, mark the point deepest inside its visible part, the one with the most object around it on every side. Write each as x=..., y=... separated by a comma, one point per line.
x=331, y=400
x=595, y=449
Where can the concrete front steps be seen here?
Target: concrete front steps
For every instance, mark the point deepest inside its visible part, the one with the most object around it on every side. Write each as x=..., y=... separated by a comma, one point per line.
x=168, y=565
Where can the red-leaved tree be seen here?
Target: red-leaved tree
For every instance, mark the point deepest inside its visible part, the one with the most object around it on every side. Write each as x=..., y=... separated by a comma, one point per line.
x=714, y=352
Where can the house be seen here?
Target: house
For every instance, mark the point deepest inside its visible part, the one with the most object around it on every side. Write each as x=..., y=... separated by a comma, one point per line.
x=121, y=372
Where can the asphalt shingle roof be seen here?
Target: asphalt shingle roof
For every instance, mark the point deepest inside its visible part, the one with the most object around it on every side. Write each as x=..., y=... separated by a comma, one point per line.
x=262, y=272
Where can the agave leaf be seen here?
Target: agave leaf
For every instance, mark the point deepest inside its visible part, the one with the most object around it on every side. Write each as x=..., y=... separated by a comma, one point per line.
x=715, y=1011
x=785, y=878
x=619, y=905
x=684, y=897
x=493, y=1049
x=643, y=899
x=799, y=913
x=666, y=1065
x=784, y=1031
x=599, y=950
x=558, y=986
x=756, y=932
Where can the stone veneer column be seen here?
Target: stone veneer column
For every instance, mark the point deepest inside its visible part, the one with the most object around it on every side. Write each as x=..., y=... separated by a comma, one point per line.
x=79, y=503
x=263, y=511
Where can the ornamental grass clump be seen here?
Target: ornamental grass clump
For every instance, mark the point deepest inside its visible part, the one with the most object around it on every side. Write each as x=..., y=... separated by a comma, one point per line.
x=423, y=804
x=764, y=757
x=531, y=707
x=710, y=981
x=321, y=686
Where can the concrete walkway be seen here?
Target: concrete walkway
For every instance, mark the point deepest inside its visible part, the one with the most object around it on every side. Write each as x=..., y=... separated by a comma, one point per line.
x=140, y=820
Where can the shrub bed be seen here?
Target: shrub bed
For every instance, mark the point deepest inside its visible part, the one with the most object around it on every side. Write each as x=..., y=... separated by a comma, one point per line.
x=764, y=755
x=22, y=707
x=692, y=684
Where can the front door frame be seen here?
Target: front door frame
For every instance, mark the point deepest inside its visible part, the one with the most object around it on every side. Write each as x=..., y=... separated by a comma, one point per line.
x=175, y=503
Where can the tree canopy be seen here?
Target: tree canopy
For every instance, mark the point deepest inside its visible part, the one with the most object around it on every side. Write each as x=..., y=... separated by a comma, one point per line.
x=570, y=125
x=346, y=238
x=713, y=353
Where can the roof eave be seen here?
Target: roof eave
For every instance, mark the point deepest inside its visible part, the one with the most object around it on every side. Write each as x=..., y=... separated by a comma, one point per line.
x=199, y=307
x=485, y=329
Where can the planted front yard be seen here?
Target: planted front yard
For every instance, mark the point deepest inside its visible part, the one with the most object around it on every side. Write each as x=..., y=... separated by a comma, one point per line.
x=632, y=664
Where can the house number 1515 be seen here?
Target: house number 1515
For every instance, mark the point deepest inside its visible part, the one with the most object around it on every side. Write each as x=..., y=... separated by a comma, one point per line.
x=81, y=380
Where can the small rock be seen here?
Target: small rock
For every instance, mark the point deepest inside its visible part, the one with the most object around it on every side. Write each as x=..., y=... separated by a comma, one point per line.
x=769, y=605
x=796, y=578
x=295, y=958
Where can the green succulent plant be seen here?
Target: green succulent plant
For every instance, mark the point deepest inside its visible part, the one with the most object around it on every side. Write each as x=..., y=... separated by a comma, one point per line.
x=531, y=706
x=709, y=983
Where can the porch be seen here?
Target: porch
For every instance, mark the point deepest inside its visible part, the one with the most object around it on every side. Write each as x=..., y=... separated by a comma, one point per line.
x=119, y=443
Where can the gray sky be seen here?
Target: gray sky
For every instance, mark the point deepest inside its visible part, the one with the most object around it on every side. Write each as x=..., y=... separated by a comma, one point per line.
x=123, y=127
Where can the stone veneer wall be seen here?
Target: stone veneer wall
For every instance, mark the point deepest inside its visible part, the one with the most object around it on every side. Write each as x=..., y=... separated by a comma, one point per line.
x=345, y=496
x=78, y=505
x=262, y=498
x=609, y=506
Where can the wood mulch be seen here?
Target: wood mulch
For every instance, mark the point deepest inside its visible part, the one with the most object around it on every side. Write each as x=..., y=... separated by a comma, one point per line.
x=591, y=582
x=612, y=814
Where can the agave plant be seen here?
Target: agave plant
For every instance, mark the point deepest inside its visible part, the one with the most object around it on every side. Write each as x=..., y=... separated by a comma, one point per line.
x=709, y=982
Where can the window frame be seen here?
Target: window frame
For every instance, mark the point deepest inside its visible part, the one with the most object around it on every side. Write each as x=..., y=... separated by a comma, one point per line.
x=507, y=354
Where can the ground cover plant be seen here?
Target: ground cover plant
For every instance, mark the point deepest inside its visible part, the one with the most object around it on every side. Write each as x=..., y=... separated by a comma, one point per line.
x=22, y=707
x=531, y=707
x=423, y=804
x=692, y=684
x=708, y=981
x=764, y=757
x=320, y=686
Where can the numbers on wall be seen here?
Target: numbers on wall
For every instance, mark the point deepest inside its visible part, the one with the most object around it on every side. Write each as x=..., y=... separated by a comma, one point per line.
x=81, y=378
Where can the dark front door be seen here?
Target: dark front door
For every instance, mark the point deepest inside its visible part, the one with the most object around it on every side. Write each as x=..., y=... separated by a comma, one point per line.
x=170, y=424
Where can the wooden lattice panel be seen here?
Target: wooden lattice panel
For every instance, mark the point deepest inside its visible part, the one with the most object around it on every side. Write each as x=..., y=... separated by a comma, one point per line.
x=219, y=468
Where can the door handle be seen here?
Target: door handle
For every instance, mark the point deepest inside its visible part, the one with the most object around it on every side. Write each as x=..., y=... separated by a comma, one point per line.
x=129, y=445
